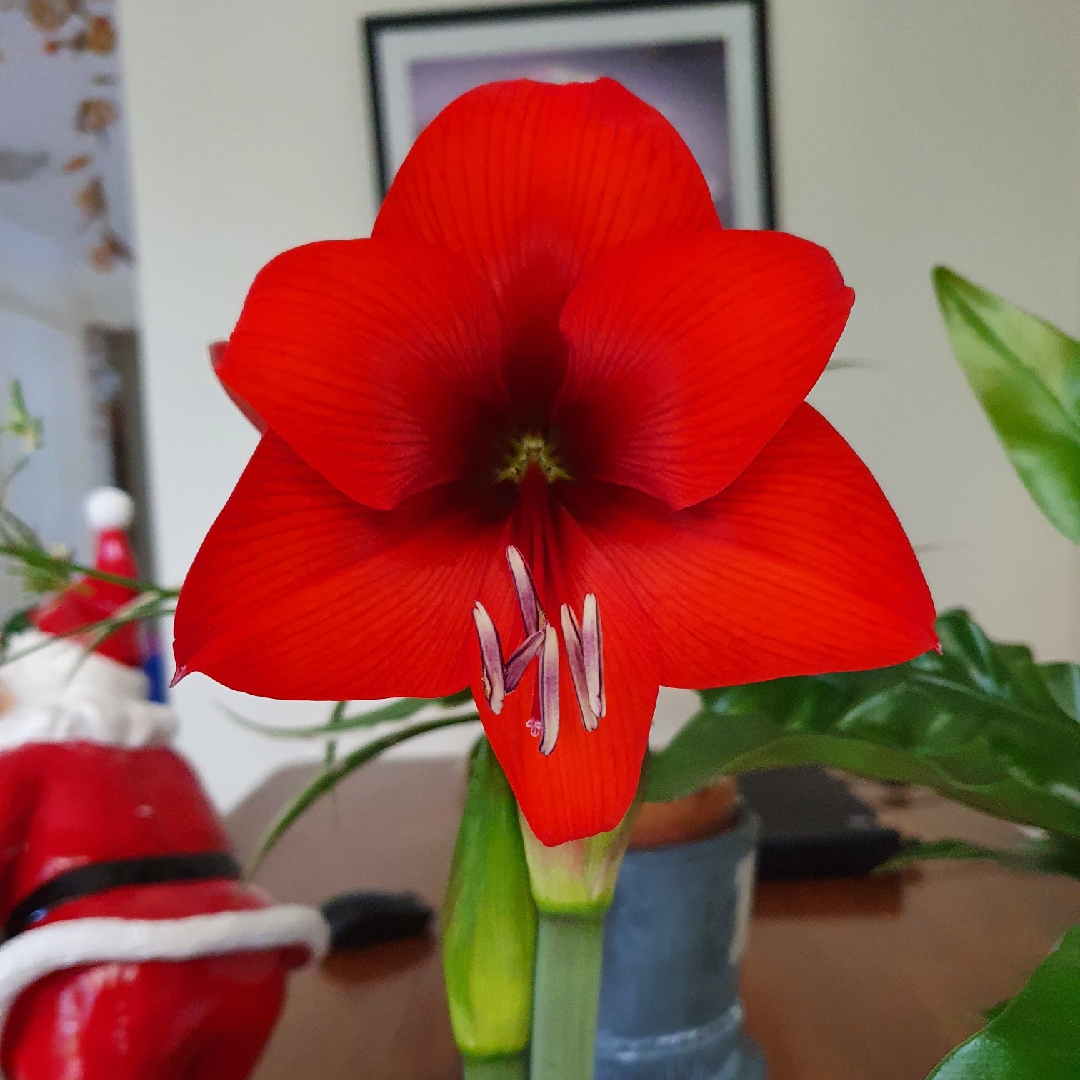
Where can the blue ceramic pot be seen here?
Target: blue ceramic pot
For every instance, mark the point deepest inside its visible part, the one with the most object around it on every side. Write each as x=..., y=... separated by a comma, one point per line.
x=673, y=940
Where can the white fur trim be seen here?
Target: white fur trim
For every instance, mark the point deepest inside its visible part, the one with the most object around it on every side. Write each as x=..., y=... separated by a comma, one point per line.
x=109, y=508
x=36, y=953
x=62, y=693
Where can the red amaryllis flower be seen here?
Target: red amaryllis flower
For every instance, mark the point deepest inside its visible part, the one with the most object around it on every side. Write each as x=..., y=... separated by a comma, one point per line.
x=544, y=433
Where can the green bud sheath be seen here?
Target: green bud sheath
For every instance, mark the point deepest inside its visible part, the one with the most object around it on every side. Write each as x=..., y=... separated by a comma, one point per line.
x=578, y=878
x=489, y=925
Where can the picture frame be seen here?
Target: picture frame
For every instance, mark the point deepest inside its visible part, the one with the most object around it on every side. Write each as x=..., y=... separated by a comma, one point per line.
x=702, y=63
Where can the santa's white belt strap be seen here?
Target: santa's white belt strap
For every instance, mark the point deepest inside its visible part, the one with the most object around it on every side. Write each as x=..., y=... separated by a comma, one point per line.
x=73, y=942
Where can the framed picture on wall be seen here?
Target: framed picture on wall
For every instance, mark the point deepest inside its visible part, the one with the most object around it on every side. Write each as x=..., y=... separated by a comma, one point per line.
x=700, y=63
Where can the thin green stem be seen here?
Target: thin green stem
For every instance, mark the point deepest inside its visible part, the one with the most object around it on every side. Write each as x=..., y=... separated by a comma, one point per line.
x=514, y=1067
x=569, y=950
x=43, y=560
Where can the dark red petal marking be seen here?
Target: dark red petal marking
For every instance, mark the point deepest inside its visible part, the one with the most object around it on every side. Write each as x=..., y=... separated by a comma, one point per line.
x=800, y=567
x=298, y=592
x=378, y=363
x=533, y=182
x=687, y=357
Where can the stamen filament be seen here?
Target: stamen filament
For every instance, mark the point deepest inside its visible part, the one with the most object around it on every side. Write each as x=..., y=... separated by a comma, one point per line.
x=522, y=657
x=575, y=659
x=549, y=691
x=491, y=664
x=532, y=614
x=592, y=643
x=584, y=656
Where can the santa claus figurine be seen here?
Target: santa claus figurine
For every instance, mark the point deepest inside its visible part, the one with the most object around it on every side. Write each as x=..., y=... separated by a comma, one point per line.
x=131, y=950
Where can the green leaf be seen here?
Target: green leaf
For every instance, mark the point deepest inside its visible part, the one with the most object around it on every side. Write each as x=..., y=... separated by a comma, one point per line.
x=489, y=920
x=337, y=715
x=326, y=781
x=1026, y=375
x=401, y=709
x=1063, y=681
x=1049, y=855
x=1036, y=1036
x=49, y=570
x=980, y=723
x=16, y=623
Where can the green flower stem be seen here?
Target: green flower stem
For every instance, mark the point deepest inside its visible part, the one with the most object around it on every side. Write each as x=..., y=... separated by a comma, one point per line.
x=514, y=1067
x=567, y=999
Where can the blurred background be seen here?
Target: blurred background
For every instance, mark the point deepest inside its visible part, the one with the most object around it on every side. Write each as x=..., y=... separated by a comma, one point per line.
x=217, y=133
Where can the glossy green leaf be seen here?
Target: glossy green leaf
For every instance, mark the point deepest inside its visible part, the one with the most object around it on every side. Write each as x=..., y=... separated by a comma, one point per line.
x=489, y=920
x=329, y=779
x=980, y=723
x=1063, y=681
x=1036, y=1036
x=1049, y=855
x=1026, y=375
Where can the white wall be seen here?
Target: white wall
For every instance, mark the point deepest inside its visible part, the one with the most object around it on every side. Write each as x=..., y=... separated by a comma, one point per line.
x=908, y=132
x=46, y=301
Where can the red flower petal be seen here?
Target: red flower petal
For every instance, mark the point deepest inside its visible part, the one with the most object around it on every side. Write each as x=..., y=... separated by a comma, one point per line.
x=798, y=568
x=217, y=356
x=377, y=362
x=587, y=783
x=298, y=592
x=531, y=183
x=686, y=358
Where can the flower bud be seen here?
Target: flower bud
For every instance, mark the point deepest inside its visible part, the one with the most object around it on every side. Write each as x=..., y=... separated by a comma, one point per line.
x=489, y=920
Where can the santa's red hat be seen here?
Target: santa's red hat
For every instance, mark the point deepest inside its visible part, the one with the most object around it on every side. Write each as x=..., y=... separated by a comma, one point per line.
x=109, y=512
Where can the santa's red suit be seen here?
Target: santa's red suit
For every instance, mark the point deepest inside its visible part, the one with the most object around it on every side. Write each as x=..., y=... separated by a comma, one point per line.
x=131, y=950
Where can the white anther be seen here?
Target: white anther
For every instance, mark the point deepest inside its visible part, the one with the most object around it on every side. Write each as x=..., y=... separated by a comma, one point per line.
x=592, y=644
x=549, y=691
x=522, y=657
x=575, y=659
x=491, y=663
x=532, y=614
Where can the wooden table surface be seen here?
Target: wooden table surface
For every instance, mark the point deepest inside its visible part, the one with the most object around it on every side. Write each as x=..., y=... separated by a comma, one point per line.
x=870, y=979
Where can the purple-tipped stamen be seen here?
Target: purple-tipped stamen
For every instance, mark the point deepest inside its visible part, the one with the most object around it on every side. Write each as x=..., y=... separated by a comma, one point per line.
x=549, y=691
x=523, y=656
x=491, y=664
x=532, y=614
x=584, y=653
x=592, y=645
x=575, y=659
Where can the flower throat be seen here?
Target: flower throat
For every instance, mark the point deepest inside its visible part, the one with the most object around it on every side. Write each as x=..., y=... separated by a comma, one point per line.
x=529, y=450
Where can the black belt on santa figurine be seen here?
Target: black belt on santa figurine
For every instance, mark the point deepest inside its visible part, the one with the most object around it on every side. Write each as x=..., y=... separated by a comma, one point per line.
x=99, y=877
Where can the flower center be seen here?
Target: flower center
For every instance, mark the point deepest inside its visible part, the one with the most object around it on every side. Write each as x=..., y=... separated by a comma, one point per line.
x=532, y=450
x=584, y=644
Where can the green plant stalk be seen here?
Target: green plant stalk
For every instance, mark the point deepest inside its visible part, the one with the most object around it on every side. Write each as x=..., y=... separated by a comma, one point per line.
x=513, y=1067
x=569, y=951
x=43, y=560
